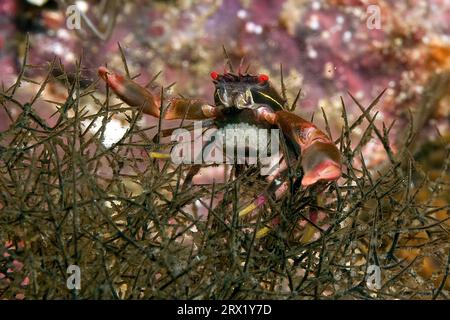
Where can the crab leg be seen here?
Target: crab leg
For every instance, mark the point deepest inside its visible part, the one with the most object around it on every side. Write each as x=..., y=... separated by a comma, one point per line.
x=136, y=95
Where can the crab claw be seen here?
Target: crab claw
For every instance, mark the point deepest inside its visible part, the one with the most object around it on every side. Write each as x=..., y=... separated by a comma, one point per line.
x=258, y=202
x=321, y=160
x=130, y=92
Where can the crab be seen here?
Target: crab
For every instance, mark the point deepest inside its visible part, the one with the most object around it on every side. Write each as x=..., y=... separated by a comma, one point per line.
x=242, y=99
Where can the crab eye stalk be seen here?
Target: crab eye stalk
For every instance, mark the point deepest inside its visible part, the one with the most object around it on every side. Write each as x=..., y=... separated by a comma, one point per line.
x=263, y=78
x=214, y=75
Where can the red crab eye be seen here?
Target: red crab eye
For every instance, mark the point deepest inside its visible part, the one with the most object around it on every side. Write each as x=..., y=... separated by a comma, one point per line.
x=214, y=75
x=263, y=78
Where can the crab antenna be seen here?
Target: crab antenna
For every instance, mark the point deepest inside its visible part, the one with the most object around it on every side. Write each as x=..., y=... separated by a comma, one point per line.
x=283, y=87
x=227, y=57
x=241, y=63
x=248, y=68
x=294, y=103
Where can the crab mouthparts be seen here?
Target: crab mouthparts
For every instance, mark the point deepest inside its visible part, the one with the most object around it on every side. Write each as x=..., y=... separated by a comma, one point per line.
x=243, y=101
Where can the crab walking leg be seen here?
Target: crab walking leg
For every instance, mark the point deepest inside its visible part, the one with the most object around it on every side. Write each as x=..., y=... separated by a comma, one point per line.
x=159, y=155
x=136, y=95
x=275, y=190
x=194, y=169
x=310, y=230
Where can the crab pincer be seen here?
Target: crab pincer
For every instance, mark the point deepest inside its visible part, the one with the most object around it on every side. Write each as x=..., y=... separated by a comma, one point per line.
x=130, y=92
